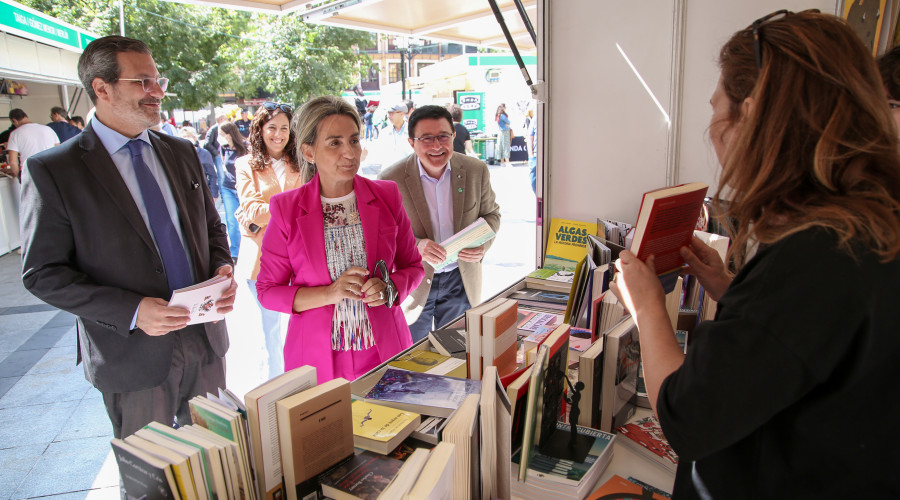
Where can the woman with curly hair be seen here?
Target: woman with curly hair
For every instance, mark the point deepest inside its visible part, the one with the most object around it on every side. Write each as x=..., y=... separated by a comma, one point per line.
x=270, y=168
x=805, y=337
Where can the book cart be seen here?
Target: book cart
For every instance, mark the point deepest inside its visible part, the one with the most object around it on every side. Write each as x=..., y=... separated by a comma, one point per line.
x=625, y=462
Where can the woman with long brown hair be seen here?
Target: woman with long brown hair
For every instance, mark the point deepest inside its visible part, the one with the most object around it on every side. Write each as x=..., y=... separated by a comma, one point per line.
x=233, y=148
x=270, y=168
x=807, y=334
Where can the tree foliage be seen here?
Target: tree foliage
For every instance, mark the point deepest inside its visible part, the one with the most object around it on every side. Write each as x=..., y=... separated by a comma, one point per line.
x=295, y=61
x=206, y=51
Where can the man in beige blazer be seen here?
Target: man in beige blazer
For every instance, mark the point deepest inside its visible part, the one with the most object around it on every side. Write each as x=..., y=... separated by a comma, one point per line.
x=442, y=193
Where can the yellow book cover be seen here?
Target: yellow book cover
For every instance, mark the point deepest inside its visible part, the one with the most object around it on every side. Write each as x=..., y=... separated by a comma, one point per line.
x=567, y=243
x=431, y=362
x=379, y=428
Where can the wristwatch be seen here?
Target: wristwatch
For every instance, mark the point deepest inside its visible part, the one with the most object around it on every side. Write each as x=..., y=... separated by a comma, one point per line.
x=390, y=290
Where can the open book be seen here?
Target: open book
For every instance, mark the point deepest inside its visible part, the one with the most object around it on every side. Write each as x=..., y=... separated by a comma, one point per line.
x=200, y=299
x=471, y=236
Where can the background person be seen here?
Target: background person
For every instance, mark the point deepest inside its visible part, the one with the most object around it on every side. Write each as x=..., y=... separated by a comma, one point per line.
x=462, y=141
x=442, y=193
x=234, y=148
x=321, y=246
x=269, y=169
x=243, y=124
x=77, y=121
x=206, y=160
x=60, y=124
x=809, y=161
x=504, y=138
x=26, y=139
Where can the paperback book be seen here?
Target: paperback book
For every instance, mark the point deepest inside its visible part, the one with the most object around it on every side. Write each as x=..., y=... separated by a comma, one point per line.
x=566, y=243
x=645, y=436
x=379, y=428
x=364, y=476
x=200, y=299
x=422, y=393
x=471, y=236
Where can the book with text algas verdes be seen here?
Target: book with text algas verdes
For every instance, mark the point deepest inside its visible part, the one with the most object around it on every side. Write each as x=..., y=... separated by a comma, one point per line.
x=567, y=243
x=666, y=221
x=200, y=299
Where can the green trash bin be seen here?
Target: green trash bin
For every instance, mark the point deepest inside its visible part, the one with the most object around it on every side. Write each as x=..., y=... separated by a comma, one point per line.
x=478, y=146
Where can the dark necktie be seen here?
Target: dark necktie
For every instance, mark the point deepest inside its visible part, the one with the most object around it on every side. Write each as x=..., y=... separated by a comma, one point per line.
x=178, y=271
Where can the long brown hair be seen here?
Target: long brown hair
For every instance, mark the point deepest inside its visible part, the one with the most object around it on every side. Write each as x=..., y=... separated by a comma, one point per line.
x=306, y=126
x=259, y=155
x=817, y=146
x=237, y=140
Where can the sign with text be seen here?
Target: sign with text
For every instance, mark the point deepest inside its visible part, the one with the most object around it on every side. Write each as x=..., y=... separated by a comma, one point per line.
x=33, y=25
x=472, y=104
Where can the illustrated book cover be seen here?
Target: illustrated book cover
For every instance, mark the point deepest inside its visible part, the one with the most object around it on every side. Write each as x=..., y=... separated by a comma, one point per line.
x=422, y=393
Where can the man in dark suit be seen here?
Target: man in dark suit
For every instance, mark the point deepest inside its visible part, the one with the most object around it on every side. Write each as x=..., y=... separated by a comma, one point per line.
x=113, y=221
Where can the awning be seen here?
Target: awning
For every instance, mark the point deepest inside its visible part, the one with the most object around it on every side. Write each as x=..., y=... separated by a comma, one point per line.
x=469, y=22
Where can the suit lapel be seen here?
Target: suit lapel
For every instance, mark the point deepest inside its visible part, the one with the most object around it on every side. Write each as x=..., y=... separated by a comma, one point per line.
x=458, y=187
x=98, y=161
x=417, y=195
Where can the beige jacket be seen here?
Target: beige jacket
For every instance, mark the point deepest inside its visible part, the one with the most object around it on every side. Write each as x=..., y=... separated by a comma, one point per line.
x=255, y=188
x=473, y=197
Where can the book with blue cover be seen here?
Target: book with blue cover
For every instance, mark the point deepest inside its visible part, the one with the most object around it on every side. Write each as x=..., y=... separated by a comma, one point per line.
x=423, y=393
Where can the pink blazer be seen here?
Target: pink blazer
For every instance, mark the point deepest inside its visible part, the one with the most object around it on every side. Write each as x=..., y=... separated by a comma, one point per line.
x=293, y=256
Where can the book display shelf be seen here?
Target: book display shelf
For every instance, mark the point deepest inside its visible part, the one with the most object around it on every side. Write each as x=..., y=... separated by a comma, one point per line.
x=625, y=462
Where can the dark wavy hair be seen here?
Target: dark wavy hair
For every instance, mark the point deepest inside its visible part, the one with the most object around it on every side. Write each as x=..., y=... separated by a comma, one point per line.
x=259, y=156
x=816, y=147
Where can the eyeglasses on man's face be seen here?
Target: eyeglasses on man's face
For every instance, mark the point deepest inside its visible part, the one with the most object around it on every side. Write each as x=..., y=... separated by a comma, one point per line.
x=272, y=106
x=148, y=83
x=428, y=140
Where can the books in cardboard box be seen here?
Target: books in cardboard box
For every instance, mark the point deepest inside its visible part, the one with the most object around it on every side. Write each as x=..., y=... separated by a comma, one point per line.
x=364, y=476
x=262, y=422
x=553, y=478
x=620, y=364
x=665, y=223
x=315, y=430
x=379, y=428
x=423, y=393
x=200, y=299
x=645, y=436
x=430, y=362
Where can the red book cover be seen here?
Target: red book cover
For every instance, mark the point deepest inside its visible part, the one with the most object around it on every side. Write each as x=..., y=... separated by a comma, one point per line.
x=666, y=221
x=646, y=437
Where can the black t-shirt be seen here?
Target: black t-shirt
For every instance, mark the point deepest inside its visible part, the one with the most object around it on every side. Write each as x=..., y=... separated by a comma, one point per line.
x=243, y=127
x=462, y=135
x=790, y=392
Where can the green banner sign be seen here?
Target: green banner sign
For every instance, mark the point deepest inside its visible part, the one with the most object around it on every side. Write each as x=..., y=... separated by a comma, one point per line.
x=20, y=20
x=472, y=104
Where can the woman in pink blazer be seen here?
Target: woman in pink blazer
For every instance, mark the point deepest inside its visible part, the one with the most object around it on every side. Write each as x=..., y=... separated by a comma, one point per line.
x=320, y=250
